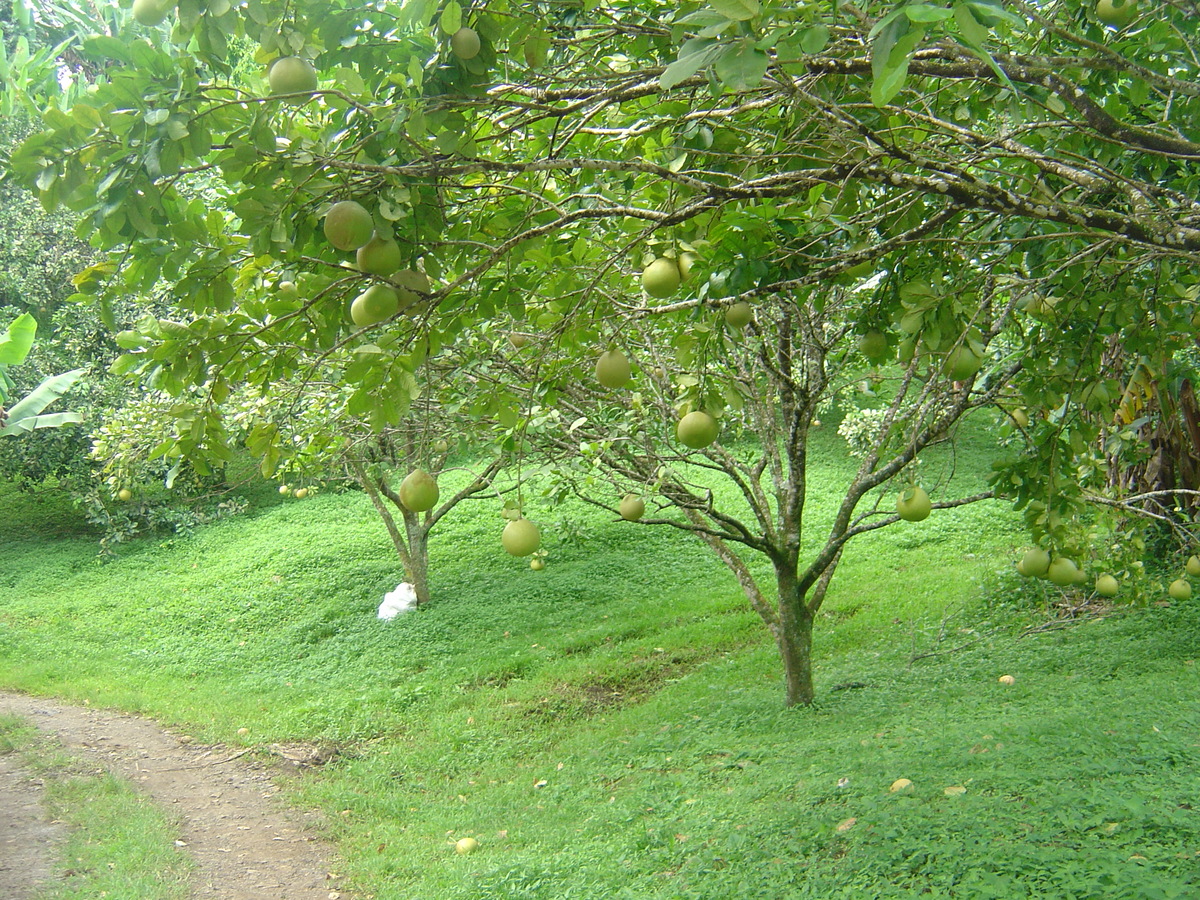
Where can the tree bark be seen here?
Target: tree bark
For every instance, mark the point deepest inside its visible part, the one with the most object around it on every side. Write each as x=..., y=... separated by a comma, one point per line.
x=793, y=636
x=417, y=564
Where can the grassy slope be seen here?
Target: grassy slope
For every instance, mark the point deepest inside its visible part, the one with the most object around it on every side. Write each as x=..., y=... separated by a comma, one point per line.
x=613, y=727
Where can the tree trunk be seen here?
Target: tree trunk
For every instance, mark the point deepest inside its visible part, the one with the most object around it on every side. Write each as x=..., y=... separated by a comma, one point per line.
x=417, y=564
x=793, y=636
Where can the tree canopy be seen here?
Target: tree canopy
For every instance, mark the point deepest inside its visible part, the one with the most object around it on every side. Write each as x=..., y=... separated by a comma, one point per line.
x=996, y=199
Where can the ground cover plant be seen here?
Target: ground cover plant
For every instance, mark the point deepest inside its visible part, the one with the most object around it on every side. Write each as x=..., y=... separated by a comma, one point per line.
x=611, y=726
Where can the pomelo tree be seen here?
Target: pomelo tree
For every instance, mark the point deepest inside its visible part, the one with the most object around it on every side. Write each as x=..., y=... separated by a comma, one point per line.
x=999, y=196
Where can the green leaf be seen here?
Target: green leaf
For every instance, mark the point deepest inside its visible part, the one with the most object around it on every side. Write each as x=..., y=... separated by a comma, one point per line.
x=815, y=39
x=451, y=19
x=25, y=416
x=691, y=63
x=17, y=340
x=972, y=30
x=737, y=10
x=742, y=66
x=924, y=14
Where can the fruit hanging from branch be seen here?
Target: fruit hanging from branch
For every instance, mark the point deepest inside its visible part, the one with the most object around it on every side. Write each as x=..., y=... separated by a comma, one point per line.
x=697, y=430
x=419, y=491
x=913, y=504
x=520, y=537
x=348, y=225
x=612, y=369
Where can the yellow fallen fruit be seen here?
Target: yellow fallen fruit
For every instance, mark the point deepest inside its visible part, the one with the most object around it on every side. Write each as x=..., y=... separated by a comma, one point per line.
x=1007, y=679
x=466, y=845
x=900, y=784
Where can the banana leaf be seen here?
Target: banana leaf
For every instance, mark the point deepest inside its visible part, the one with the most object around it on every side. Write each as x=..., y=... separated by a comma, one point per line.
x=17, y=339
x=26, y=414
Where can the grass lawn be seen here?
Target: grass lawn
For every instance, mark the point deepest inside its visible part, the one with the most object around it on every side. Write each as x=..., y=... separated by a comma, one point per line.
x=613, y=726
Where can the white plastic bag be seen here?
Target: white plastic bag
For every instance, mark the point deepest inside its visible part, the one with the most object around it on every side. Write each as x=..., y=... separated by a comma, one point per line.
x=401, y=600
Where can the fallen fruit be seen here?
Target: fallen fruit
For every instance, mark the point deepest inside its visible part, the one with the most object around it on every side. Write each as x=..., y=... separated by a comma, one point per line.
x=1193, y=565
x=1180, y=589
x=466, y=845
x=900, y=784
x=1007, y=679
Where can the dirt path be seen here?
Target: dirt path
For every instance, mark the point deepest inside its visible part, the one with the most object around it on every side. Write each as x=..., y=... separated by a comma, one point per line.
x=246, y=845
x=27, y=837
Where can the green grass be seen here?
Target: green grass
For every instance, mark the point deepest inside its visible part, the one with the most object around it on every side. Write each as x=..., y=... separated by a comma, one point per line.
x=119, y=845
x=613, y=726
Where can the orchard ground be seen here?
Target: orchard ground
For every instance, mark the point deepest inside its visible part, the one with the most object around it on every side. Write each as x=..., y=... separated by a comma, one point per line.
x=613, y=725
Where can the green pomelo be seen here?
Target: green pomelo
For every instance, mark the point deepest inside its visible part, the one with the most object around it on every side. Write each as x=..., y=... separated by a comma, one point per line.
x=913, y=504
x=1107, y=586
x=292, y=75
x=520, y=537
x=348, y=225
x=1193, y=565
x=419, y=491
x=152, y=12
x=1036, y=561
x=379, y=256
x=873, y=345
x=739, y=314
x=1117, y=13
x=1180, y=589
x=612, y=369
x=374, y=305
x=464, y=43
x=697, y=430
x=1063, y=572
x=632, y=507
x=962, y=363
x=661, y=278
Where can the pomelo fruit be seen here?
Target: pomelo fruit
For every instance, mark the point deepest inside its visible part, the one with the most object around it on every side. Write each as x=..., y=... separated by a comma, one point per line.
x=379, y=256
x=1036, y=562
x=1117, y=13
x=1062, y=572
x=466, y=845
x=1107, y=586
x=873, y=345
x=292, y=75
x=1179, y=589
x=348, y=225
x=537, y=565
x=124, y=495
x=962, y=363
x=632, y=507
x=520, y=537
x=152, y=12
x=913, y=504
x=464, y=43
x=612, y=369
x=376, y=304
x=738, y=315
x=1193, y=565
x=697, y=430
x=419, y=491
x=661, y=278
